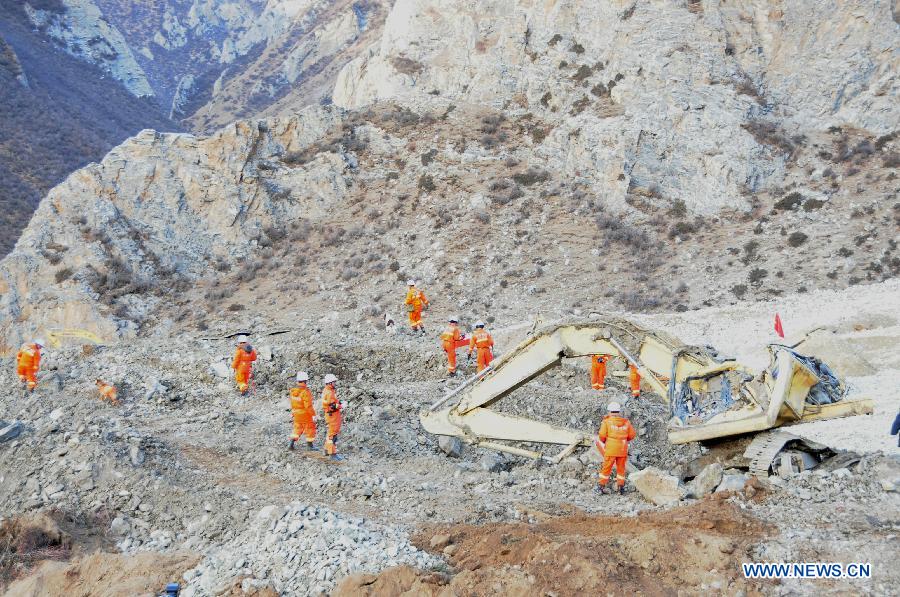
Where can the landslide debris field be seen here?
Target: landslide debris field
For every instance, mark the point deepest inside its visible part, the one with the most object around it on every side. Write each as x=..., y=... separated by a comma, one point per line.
x=188, y=481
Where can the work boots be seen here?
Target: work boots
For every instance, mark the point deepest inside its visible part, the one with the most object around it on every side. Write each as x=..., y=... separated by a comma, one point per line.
x=601, y=489
x=621, y=490
x=310, y=447
x=291, y=447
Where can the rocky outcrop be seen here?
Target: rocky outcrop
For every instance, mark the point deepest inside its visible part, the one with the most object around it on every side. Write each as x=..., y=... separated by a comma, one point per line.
x=159, y=209
x=653, y=103
x=84, y=33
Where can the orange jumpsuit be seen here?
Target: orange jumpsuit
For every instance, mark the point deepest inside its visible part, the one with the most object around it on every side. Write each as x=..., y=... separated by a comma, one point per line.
x=108, y=392
x=331, y=407
x=598, y=371
x=415, y=298
x=303, y=412
x=485, y=344
x=634, y=378
x=451, y=340
x=243, y=367
x=615, y=432
x=28, y=362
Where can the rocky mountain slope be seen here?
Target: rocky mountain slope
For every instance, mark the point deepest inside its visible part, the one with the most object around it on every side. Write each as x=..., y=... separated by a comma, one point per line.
x=51, y=121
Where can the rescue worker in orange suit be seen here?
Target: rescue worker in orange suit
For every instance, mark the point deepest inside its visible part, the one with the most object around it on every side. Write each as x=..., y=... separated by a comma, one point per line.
x=108, y=392
x=333, y=410
x=615, y=433
x=243, y=364
x=28, y=363
x=484, y=344
x=303, y=411
x=416, y=302
x=451, y=340
x=598, y=371
x=634, y=378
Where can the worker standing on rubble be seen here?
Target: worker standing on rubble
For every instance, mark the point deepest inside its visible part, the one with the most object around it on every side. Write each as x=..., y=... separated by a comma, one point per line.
x=333, y=409
x=242, y=364
x=416, y=302
x=634, y=379
x=28, y=363
x=612, y=442
x=303, y=412
x=484, y=343
x=108, y=392
x=598, y=371
x=451, y=340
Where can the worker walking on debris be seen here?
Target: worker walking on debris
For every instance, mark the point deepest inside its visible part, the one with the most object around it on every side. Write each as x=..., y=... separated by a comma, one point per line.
x=333, y=410
x=598, y=371
x=484, y=343
x=243, y=364
x=634, y=379
x=612, y=442
x=416, y=302
x=451, y=340
x=303, y=411
x=108, y=392
x=28, y=363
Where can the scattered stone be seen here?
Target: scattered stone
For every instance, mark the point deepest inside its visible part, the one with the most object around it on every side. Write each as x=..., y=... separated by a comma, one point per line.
x=136, y=456
x=706, y=482
x=492, y=462
x=451, y=446
x=11, y=432
x=657, y=486
x=220, y=369
x=440, y=541
x=732, y=483
x=56, y=414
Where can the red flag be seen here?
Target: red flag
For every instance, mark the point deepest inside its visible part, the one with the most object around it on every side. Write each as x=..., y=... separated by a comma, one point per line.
x=778, y=329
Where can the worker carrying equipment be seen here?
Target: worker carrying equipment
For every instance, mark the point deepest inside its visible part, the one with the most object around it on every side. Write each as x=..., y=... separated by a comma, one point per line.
x=451, y=340
x=598, y=371
x=615, y=433
x=28, y=363
x=243, y=365
x=303, y=412
x=484, y=343
x=332, y=408
x=108, y=392
x=416, y=302
x=634, y=378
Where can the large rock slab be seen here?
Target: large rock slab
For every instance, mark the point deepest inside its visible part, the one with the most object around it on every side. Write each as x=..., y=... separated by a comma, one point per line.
x=706, y=482
x=658, y=487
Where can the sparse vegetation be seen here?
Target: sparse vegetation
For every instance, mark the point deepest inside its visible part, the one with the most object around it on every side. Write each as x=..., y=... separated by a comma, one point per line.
x=795, y=239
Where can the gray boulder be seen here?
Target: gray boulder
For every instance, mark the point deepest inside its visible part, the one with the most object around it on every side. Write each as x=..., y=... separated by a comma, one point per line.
x=732, y=483
x=492, y=462
x=11, y=431
x=657, y=486
x=706, y=482
x=451, y=446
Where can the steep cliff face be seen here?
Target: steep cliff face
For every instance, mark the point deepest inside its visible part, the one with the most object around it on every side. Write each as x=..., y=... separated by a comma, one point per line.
x=519, y=157
x=57, y=113
x=213, y=61
x=694, y=101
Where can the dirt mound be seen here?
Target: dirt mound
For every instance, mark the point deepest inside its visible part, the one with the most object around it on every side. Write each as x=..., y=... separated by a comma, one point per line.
x=28, y=539
x=696, y=548
x=105, y=575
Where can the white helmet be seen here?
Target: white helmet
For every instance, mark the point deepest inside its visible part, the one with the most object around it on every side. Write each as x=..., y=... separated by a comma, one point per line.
x=330, y=378
x=39, y=342
x=241, y=339
x=479, y=324
x=453, y=319
x=302, y=376
x=614, y=407
x=410, y=282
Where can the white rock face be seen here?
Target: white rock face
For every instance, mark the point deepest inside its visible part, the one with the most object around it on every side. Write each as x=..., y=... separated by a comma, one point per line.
x=85, y=34
x=648, y=99
x=162, y=203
